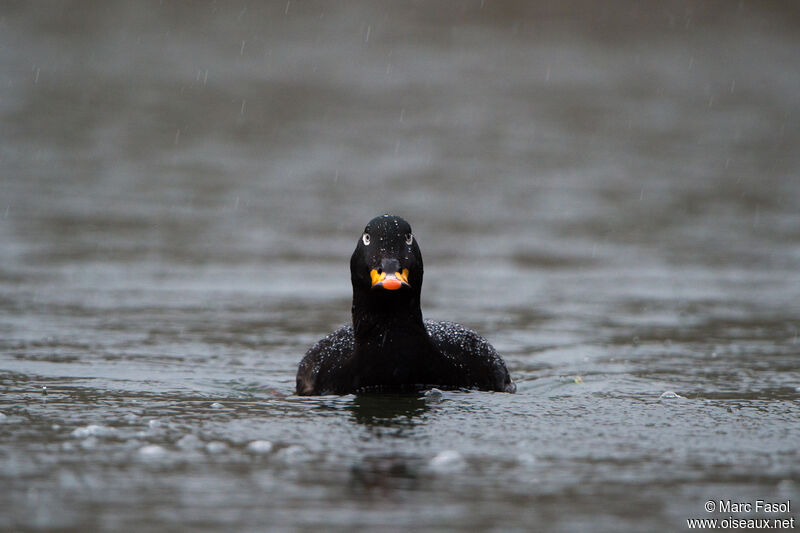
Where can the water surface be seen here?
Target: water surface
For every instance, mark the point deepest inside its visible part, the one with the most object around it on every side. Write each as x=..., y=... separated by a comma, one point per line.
x=609, y=194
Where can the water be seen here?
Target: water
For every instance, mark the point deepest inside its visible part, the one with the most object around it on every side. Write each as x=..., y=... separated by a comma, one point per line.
x=609, y=194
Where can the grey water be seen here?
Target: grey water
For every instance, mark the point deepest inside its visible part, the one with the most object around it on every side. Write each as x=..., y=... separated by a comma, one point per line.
x=610, y=193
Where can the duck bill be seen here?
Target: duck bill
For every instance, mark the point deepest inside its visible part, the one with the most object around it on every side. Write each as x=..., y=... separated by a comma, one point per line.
x=389, y=282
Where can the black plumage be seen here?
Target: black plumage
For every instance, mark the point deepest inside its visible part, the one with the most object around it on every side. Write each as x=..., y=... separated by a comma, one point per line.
x=389, y=348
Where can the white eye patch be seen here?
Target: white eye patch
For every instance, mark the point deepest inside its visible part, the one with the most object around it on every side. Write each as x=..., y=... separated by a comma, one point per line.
x=365, y=239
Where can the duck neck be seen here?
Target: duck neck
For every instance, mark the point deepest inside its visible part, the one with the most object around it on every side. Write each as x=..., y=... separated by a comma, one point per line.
x=386, y=324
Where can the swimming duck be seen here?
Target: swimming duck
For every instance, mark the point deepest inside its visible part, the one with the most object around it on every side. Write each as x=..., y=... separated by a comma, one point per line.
x=389, y=347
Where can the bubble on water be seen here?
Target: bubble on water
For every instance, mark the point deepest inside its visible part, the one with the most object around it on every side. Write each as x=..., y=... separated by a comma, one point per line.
x=216, y=447
x=294, y=453
x=89, y=442
x=671, y=395
x=259, y=446
x=3, y=417
x=131, y=444
x=433, y=395
x=93, y=430
x=154, y=424
x=189, y=442
x=526, y=459
x=447, y=461
x=216, y=405
x=152, y=451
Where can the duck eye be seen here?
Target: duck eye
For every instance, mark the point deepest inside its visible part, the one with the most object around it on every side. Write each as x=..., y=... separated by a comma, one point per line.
x=365, y=239
x=409, y=238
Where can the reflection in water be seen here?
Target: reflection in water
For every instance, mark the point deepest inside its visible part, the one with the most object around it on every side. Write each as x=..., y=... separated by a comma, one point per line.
x=388, y=410
x=387, y=416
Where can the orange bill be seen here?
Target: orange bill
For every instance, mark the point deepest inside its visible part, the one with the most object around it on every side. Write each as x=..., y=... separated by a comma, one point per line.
x=390, y=282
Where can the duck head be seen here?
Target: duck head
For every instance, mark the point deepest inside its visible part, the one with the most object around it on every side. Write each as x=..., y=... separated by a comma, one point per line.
x=386, y=266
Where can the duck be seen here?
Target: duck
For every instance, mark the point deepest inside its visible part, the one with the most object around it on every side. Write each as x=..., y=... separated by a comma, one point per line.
x=389, y=347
